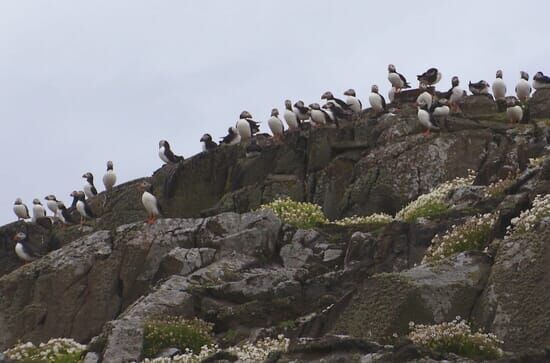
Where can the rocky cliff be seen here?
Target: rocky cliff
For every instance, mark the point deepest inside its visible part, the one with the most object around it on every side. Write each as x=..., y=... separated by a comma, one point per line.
x=348, y=289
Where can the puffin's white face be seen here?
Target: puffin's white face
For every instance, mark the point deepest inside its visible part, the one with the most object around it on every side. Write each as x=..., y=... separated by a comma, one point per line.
x=391, y=68
x=327, y=95
x=524, y=75
x=374, y=88
x=350, y=92
x=288, y=103
x=499, y=74
x=109, y=164
x=18, y=201
x=36, y=201
x=162, y=143
x=275, y=112
x=19, y=236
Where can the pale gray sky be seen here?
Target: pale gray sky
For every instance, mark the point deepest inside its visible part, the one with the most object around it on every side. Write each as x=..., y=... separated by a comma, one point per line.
x=85, y=82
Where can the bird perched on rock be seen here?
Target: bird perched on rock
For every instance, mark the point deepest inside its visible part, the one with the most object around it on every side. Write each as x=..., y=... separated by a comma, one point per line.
x=74, y=194
x=301, y=111
x=89, y=187
x=149, y=201
x=63, y=213
x=353, y=102
x=479, y=88
x=166, y=154
x=276, y=125
x=541, y=81
x=319, y=116
x=523, y=88
x=38, y=210
x=109, y=178
x=207, y=143
x=440, y=110
x=246, y=126
x=455, y=94
x=430, y=77
x=425, y=97
x=253, y=149
x=499, y=87
x=232, y=138
x=332, y=112
x=20, y=209
x=338, y=102
x=83, y=207
x=291, y=117
x=426, y=118
x=514, y=110
x=397, y=80
x=22, y=248
x=376, y=100
x=51, y=203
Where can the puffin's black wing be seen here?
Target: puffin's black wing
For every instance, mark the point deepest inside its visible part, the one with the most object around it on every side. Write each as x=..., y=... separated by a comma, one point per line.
x=254, y=126
x=88, y=210
x=303, y=109
x=360, y=104
x=26, y=211
x=211, y=145
x=406, y=84
x=341, y=103
x=544, y=79
x=94, y=190
x=383, y=101
x=29, y=250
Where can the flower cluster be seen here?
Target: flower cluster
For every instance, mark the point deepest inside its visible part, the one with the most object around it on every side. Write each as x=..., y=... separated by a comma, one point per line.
x=456, y=337
x=55, y=350
x=536, y=162
x=299, y=214
x=258, y=352
x=529, y=218
x=176, y=332
x=189, y=356
x=377, y=219
x=433, y=203
x=469, y=236
x=496, y=189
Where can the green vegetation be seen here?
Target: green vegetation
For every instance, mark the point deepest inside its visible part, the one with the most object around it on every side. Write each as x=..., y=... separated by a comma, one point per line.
x=54, y=351
x=299, y=214
x=375, y=220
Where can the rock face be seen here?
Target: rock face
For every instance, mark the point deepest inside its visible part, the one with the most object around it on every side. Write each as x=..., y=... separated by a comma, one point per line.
x=214, y=257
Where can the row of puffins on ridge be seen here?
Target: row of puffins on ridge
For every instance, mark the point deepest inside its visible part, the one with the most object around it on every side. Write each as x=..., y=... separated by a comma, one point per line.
x=430, y=109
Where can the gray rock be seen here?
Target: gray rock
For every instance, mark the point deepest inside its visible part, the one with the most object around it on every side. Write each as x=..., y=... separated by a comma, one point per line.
x=91, y=357
x=331, y=255
x=295, y=255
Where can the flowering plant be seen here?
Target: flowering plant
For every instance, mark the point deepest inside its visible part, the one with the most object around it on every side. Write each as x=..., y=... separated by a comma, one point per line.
x=54, y=351
x=299, y=214
x=373, y=219
x=528, y=219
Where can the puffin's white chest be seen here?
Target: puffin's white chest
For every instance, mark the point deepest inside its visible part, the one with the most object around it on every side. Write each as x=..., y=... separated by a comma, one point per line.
x=456, y=94
x=20, y=252
x=391, y=94
x=275, y=125
x=243, y=127
x=150, y=203
x=424, y=119
x=52, y=205
x=300, y=115
x=437, y=78
x=60, y=216
x=395, y=80
x=81, y=208
x=20, y=211
x=88, y=190
x=162, y=156
x=441, y=111
x=425, y=97
x=499, y=89
x=291, y=119
x=514, y=113
x=318, y=117
x=354, y=104
x=523, y=89
x=38, y=212
x=109, y=179
x=376, y=102
x=539, y=85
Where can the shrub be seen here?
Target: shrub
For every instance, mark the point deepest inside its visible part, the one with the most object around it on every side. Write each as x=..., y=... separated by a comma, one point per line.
x=456, y=337
x=529, y=218
x=299, y=214
x=57, y=350
x=497, y=189
x=469, y=236
x=377, y=219
x=258, y=352
x=188, y=356
x=176, y=332
x=433, y=203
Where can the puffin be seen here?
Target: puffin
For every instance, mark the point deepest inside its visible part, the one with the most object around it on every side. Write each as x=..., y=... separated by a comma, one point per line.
x=425, y=97
x=376, y=100
x=246, y=126
x=328, y=108
x=541, y=81
x=253, y=149
x=276, y=125
x=391, y=94
x=426, y=118
x=89, y=187
x=290, y=116
x=455, y=94
x=499, y=87
x=51, y=203
x=207, y=143
x=38, y=210
x=166, y=154
x=74, y=194
x=440, y=109
x=63, y=213
x=23, y=249
x=430, y=77
x=353, y=102
x=514, y=110
x=338, y=102
x=83, y=207
x=523, y=88
x=397, y=80
x=149, y=201
x=233, y=137
x=319, y=116
x=109, y=178
x=479, y=88
x=20, y=209
x=301, y=111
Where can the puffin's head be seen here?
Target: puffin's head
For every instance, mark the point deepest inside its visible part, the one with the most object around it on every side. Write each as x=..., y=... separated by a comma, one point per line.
x=288, y=104
x=499, y=73
x=524, y=75
x=81, y=195
x=61, y=205
x=88, y=176
x=245, y=114
x=275, y=112
x=328, y=106
x=74, y=194
x=538, y=75
x=374, y=88
x=299, y=103
x=36, y=201
x=19, y=236
x=206, y=137
x=421, y=104
x=315, y=106
x=109, y=165
x=143, y=186
x=485, y=84
x=455, y=82
x=443, y=101
x=350, y=92
x=164, y=144
x=391, y=68
x=18, y=201
x=50, y=197
x=511, y=101
x=327, y=96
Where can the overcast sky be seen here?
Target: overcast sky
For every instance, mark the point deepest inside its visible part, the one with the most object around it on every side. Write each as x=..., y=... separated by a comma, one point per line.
x=86, y=82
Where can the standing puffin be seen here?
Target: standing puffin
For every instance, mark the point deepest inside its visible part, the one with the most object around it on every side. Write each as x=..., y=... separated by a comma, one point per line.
x=233, y=137
x=499, y=87
x=455, y=94
x=83, y=207
x=338, y=102
x=207, y=143
x=23, y=249
x=376, y=100
x=38, y=210
x=20, y=209
x=391, y=94
x=149, y=201
x=430, y=77
x=276, y=125
x=109, y=178
x=425, y=97
x=319, y=117
x=253, y=149
x=63, y=213
x=166, y=154
x=523, y=88
x=51, y=203
x=290, y=116
x=440, y=110
x=89, y=187
x=397, y=80
x=353, y=102
x=302, y=112
x=426, y=118
x=328, y=108
x=246, y=126
x=479, y=88
x=514, y=110
x=541, y=81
